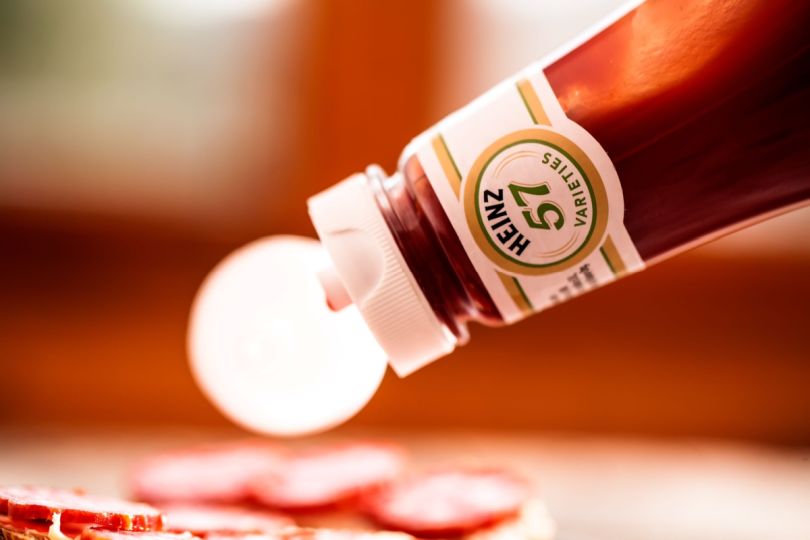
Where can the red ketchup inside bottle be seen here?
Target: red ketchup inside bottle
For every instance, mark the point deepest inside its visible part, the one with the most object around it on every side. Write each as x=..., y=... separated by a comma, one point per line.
x=703, y=111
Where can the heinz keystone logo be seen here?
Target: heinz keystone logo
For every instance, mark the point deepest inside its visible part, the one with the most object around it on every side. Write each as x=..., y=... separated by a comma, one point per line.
x=535, y=203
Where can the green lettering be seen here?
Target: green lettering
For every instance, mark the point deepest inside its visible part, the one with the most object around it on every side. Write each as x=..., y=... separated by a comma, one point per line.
x=538, y=219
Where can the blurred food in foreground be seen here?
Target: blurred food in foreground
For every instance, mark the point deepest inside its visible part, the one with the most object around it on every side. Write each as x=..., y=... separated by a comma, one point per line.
x=599, y=487
x=361, y=483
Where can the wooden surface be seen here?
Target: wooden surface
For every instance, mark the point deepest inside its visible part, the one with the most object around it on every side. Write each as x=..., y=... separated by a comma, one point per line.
x=596, y=488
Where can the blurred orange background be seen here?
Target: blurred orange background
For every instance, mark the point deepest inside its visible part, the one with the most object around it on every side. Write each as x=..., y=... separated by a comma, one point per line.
x=142, y=142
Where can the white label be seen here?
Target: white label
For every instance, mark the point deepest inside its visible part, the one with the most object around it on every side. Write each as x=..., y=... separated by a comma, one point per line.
x=533, y=197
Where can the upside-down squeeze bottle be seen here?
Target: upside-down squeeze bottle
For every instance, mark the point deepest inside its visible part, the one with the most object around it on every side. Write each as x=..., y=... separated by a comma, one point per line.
x=670, y=124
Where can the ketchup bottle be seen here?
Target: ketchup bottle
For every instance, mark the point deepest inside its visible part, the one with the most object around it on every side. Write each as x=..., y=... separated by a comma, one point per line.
x=670, y=124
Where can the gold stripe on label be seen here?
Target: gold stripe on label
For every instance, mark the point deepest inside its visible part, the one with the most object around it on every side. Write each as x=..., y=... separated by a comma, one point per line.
x=532, y=102
x=516, y=292
x=612, y=257
x=448, y=165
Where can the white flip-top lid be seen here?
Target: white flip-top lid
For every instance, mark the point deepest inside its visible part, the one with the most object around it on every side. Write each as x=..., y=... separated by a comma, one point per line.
x=373, y=272
x=267, y=350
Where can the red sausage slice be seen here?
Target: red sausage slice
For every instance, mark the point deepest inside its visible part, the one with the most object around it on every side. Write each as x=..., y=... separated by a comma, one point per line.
x=218, y=473
x=338, y=534
x=243, y=536
x=230, y=535
x=77, y=509
x=448, y=502
x=317, y=534
x=37, y=527
x=15, y=530
x=202, y=519
x=95, y=533
x=7, y=492
x=326, y=476
x=329, y=534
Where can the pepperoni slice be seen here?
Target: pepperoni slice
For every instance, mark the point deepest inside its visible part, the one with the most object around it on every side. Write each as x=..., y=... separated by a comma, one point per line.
x=7, y=492
x=328, y=534
x=21, y=526
x=202, y=519
x=76, y=509
x=296, y=533
x=448, y=502
x=337, y=534
x=324, y=477
x=96, y=533
x=218, y=473
x=14, y=530
x=33, y=528
x=230, y=535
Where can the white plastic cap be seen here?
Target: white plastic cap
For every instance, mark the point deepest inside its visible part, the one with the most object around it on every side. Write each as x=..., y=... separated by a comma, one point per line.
x=376, y=277
x=269, y=352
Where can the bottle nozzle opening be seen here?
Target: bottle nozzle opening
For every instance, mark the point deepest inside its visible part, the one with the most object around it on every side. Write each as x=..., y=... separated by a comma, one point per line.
x=337, y=297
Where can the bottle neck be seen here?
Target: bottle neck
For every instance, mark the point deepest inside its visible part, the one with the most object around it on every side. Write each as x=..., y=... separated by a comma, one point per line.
x=432, y=249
